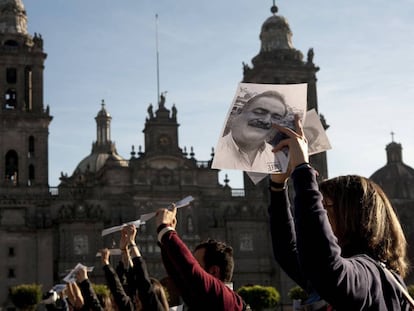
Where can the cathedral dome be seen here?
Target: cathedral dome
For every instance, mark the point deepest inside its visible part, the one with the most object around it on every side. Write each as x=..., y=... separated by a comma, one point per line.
x=13, y=17
x=395, y=178
x=103, y=149
x=103, y=113
x=95, y=161
x=18, y=4
x=276, y=23
x=276, y=34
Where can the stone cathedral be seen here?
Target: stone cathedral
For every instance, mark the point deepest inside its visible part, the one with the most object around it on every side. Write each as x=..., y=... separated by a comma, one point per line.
x=44, y=232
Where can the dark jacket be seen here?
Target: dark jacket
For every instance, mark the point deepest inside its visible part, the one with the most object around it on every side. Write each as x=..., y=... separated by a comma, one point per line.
x=126, y=278
x=307, y=250
x=149, y=299
x=91, y=301
x=138, y=279
x=122, y=300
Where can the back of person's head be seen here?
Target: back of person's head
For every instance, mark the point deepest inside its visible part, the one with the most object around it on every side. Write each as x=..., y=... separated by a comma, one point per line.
x=159, y=291
x=50, y=297
x=106, y=301
x=365, y=222
x=218, y=254
x=53, y=302
x=172, y=291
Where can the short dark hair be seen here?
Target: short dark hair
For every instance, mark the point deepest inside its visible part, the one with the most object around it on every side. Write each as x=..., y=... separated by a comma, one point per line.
x=218, y=254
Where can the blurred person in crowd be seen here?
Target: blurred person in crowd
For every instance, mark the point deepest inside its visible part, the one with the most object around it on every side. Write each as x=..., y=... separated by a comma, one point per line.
x=203, y=278
x=342, y=241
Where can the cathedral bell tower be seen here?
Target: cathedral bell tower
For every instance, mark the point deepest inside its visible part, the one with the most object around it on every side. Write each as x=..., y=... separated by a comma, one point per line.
x=161, y=130
x=24, y=122
x=278, y=62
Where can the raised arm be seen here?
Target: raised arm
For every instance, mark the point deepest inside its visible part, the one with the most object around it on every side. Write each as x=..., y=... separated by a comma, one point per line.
x=145, y=285
x=122, y=300
x=89, y=295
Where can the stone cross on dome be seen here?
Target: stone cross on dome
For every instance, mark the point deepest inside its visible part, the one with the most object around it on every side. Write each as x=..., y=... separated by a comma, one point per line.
x=392, y=136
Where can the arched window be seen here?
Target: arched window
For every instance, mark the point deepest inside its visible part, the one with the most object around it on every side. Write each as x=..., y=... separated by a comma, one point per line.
x=11, y=274
x=31, y=146
x=31, y=174
x=12, y=167
x=28, y=86
x=10, y=99
x=11, y=75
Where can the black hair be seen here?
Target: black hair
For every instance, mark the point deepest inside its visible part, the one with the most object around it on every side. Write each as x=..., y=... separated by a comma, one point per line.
x=219, y=254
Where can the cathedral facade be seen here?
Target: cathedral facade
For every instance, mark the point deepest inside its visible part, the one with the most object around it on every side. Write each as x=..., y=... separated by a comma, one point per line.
x=44, y=232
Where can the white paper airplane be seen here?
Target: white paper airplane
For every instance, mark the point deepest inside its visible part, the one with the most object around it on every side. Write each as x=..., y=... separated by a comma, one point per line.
x=145, y=217
x=71, y=277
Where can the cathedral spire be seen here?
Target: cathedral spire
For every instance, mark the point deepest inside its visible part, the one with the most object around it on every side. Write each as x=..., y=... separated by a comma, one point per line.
x=394, y=151
x=13, y=17
x=103, y=149
x=103, y=126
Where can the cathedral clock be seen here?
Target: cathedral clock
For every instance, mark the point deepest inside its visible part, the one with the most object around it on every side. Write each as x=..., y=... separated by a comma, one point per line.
x=164, y=140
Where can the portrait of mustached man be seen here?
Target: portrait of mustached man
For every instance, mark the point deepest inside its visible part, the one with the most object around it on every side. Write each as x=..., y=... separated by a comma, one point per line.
x=246, y=142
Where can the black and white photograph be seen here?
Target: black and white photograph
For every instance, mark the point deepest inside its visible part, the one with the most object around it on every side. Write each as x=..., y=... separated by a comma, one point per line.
x=247, y=138
x=315, y=133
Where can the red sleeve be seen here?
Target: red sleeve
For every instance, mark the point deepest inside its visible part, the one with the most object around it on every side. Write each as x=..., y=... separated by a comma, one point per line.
x=207, y=292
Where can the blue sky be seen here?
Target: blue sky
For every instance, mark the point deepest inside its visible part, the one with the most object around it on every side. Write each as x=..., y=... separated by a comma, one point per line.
x=105, y=49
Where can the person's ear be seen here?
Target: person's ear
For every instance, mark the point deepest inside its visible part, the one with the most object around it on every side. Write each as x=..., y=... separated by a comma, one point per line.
x=214, y=271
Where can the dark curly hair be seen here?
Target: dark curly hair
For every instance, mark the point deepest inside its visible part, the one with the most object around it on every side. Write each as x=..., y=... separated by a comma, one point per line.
x=218, y=254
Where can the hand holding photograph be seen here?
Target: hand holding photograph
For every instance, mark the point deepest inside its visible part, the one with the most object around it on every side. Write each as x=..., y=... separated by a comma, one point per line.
x=315, y=134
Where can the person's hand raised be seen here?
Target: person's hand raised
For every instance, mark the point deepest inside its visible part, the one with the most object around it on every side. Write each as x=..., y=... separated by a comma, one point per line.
x=124, y=240
x=296, y=142
x=131, y=232
x=81, y=274
x=166, y=216
x=105, y=256
x=281, y=178
x=74, y=295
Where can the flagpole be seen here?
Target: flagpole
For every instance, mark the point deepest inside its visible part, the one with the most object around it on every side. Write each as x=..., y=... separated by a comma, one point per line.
x=158, y=61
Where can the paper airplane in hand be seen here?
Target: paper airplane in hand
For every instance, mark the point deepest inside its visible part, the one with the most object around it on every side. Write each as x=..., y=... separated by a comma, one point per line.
x=145, y=217
x=112, y=252
x=136, y=223
x=71, y=277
